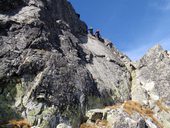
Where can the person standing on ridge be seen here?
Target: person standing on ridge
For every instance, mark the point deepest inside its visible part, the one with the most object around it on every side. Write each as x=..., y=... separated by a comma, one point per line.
x=91, y=31
x=97, y=34
x=78, y=15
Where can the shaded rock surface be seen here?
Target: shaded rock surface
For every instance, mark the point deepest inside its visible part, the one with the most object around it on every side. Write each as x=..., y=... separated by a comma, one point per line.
x=42, y=73
x=46, y=76
x=52, y=72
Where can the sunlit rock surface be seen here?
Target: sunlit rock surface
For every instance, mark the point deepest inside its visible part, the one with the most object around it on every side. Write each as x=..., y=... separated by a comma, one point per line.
x=54, y=75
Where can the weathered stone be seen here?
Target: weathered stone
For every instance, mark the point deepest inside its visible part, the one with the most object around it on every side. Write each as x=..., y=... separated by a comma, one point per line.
x=96, y=114
x=130, y=114
x=63, y=126
x=50, y=69
x=108, y=70
x=152, y=81
x=52, y=72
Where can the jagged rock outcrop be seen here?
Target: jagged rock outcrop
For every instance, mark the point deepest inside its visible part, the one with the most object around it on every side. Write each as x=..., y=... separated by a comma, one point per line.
x=149, y=107
x=52, y=72
x=151, y=83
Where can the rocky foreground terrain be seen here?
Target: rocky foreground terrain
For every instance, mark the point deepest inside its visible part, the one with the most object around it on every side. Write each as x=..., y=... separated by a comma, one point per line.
x=54, y=75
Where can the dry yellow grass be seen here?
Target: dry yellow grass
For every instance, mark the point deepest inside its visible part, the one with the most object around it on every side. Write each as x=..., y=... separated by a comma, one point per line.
x=131, y=106
x=159, y=103
x=102, y=123
x=17, y=123
x=98, y=124
x=85, y=125
x=20, y=123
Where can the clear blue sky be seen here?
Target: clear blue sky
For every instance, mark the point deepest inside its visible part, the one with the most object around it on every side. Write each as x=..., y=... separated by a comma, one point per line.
x=133, y=26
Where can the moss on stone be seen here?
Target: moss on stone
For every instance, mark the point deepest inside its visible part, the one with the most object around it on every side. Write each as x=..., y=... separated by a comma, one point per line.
x=46, y=115
x=74, y=114
x=8, y=99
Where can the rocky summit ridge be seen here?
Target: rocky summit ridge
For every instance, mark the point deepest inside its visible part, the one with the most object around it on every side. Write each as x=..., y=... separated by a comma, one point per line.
x=54, y=75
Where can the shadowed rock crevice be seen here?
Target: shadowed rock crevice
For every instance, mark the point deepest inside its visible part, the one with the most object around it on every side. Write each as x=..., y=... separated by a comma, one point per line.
x=11, y=6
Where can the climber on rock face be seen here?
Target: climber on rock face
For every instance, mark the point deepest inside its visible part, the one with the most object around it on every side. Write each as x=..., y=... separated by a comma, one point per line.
x=97, y=34
x=91, y=31
x=78, y=15
x=167, y=53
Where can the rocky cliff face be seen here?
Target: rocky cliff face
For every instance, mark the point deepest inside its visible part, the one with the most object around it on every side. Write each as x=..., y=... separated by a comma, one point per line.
x=42, y=75
x=52, y=72
x=149, y=105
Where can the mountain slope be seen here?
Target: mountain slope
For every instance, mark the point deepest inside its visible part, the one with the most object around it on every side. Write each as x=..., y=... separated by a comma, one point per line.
x=149, y=105
x=44, y=74
x=52, y=72
x=108, y=69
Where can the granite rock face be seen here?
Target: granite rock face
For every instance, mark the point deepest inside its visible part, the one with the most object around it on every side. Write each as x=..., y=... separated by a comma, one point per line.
x=151, y=83
x=149, y=105
x=152, y=76
x=52, y=72
x=109, y=70
x=46, y=76
x=42, y=73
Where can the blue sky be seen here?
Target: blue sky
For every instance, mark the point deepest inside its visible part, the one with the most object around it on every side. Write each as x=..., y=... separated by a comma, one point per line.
x=133, y=26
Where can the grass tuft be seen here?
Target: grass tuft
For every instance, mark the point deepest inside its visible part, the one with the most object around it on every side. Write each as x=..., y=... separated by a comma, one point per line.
x=16, y=124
